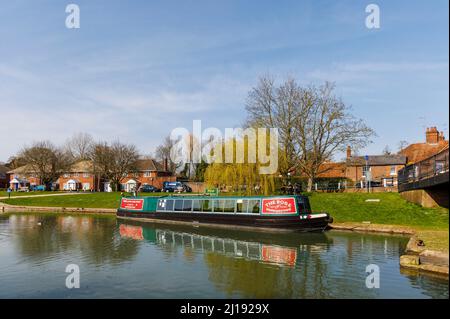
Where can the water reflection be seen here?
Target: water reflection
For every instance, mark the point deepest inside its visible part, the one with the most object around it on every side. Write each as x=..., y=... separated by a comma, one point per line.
x=244, y=248
x=41, y=236
x=140, y=260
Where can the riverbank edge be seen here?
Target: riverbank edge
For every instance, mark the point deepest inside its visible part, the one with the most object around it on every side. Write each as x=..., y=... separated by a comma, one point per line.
x=416, y=257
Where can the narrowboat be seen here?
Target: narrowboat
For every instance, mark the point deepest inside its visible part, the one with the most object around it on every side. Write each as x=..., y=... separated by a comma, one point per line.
x=276, y=213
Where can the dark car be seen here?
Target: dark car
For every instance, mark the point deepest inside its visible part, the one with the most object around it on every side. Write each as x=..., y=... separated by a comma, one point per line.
x=170, y=187
x=148, y=189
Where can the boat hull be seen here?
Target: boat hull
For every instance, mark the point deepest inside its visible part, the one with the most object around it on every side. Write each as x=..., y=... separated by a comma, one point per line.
x=269, y=223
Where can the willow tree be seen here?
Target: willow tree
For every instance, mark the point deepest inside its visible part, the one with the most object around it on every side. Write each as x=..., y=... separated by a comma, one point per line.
x=240, y=177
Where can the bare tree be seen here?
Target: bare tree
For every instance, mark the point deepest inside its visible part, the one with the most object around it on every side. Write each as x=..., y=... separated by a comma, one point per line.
x=79, y=146
x=387, y=150
x=325, y=126
x=402, y=144
x=15, y=162
x=277, y=107
x=163, y=153
x=45, y=160
x=312, y=122
x=114, y=161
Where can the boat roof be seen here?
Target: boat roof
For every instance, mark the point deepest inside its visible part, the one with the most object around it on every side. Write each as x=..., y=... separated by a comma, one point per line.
x=218, y=197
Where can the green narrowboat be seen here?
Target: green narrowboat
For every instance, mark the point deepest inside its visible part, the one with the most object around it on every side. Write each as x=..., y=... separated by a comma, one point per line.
x=277, y=213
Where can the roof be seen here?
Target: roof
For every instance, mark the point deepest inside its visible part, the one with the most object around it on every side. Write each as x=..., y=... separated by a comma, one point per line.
x=149, y=165
x=419, y=151
x=377, y=160
x=81, y=167
x=26, y=169
x=332, y=170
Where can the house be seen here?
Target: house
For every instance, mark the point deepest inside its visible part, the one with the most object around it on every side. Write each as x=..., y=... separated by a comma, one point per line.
x=4, y=176
x=148, y=172
x=380, y=169
x=80, y=176
x=434, y=143
x=23, y=176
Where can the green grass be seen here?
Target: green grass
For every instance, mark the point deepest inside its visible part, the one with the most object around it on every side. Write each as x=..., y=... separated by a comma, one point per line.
x=88, y=200
x=16, y=194
x=392, y=209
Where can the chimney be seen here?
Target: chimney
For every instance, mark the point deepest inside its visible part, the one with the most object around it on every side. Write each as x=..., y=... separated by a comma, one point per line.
x=166, y=165
x=441, y=136
x=349, y=151
x=432, y=135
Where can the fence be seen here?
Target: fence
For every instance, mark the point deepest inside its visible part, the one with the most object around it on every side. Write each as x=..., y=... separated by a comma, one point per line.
x=430, y=167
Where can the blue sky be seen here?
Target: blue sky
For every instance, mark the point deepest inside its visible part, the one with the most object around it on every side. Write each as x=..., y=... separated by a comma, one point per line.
x=137, y=69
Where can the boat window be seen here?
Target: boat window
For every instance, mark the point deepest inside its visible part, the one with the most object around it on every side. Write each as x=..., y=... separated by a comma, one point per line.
x=187, y=205
x=169, y=204
x=197, y=205
x=161, y=205
x=253, y=206
x=178, y=205
x=207, y=205
x=241, y=206
x=218, y=205
x=229, y=206
x=300, y=204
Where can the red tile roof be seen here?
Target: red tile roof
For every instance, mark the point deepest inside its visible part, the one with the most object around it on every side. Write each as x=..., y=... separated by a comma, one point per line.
x=419, y=151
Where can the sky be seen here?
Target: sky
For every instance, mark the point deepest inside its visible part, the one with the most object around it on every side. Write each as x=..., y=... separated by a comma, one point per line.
x=135, y=70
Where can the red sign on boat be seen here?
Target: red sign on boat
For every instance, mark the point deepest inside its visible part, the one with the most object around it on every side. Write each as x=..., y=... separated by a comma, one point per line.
x=278, y=206
x=132, y=204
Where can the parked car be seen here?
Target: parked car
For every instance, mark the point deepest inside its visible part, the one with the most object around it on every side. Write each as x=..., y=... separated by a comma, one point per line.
x=39, y=188
x=148, y=189
x=23, y=189
x=176, y=187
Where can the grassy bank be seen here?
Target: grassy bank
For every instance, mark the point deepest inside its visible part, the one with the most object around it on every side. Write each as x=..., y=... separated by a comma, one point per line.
x=89, y=200
x=391, y=209
x=18, y=194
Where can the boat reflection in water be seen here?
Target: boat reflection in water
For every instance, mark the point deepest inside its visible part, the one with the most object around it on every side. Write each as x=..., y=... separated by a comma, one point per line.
x=237, y=245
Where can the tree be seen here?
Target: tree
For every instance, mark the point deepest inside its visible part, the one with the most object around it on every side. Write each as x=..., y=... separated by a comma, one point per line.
x=45, y=160
x=79, y=146
x=276, y=107
x=312, y=122
x=241, y=177
x=114, y=161
x=325, y=126
x=387, y=150
x=200, y=170
x=15, y=162
x=402, y=144
x=163, y=152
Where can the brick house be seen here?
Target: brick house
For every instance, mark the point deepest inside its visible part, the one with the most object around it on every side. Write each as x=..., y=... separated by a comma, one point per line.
x=4, y=176
x=381, y=169
x=148, y=172
x=79, y=177
x=23, y=176
x=434, y=143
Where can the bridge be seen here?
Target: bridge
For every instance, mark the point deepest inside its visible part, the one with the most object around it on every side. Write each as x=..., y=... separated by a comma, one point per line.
x=426, y=182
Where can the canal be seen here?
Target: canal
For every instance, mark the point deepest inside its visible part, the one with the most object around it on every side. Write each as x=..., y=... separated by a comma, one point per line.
x=134, y=260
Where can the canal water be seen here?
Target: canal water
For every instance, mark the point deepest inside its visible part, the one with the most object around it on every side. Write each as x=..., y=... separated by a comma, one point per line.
x=120, y=259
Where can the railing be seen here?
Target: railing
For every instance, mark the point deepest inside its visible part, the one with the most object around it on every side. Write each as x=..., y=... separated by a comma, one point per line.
x=433, y=166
